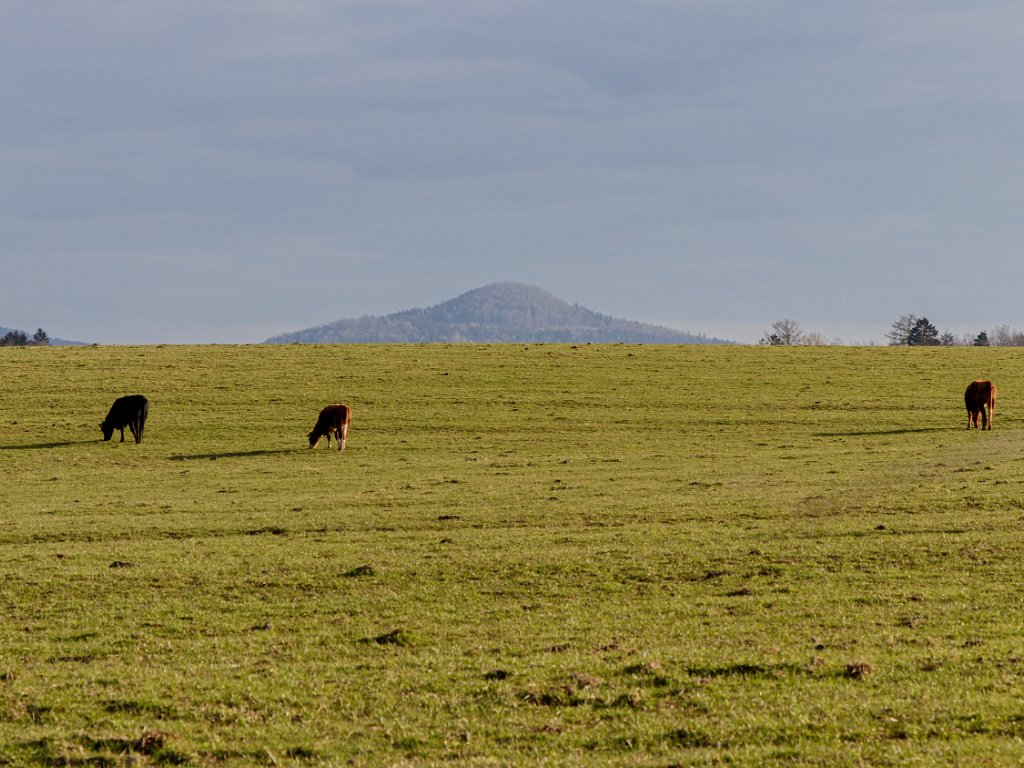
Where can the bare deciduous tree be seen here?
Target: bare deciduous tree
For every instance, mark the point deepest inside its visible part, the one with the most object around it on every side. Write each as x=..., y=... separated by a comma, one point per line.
x=1001, y=336
x=901, y=330
x=784, y=333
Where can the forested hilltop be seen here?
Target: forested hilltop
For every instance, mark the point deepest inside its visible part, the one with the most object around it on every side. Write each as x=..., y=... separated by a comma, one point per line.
x=500, y=312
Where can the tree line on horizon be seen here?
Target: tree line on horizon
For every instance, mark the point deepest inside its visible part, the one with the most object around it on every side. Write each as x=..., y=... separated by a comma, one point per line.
x=21, y=339
x=907, y=331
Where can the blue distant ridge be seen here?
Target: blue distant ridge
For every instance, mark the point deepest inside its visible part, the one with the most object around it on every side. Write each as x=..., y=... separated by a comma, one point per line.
x=497, y=313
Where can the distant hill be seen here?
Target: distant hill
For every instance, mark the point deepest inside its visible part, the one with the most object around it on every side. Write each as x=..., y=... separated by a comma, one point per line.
x=54, y=342
x=496, y=313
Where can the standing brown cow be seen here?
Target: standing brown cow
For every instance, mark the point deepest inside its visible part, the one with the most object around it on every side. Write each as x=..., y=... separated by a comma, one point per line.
x=980, y=399
x=333, y=420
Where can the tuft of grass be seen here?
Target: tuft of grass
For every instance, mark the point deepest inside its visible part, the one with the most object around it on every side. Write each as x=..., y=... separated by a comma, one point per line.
x=359, y=571
x=398, y=637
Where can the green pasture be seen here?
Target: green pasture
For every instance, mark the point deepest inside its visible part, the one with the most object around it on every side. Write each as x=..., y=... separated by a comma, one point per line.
x=528, y=555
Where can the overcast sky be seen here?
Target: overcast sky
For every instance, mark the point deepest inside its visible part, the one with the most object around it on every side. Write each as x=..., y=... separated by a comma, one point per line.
x=222, y=171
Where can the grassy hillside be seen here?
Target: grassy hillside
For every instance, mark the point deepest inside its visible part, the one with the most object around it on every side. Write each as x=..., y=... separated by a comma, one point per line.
x=609, y=555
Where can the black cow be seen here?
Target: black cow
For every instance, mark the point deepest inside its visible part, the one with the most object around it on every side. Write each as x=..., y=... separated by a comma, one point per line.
x=129, y=411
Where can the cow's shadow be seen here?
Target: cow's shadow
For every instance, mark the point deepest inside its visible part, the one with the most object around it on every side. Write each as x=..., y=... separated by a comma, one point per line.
x=45, y=446
x=232, y=454
x=881, y=432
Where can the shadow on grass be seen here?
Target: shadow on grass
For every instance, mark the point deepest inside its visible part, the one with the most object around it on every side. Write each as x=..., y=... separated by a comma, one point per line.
x=232, y=454
x=880, y=432
x=44, y=446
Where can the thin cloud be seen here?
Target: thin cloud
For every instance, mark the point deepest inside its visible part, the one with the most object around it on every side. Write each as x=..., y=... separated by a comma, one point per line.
x=727, y=161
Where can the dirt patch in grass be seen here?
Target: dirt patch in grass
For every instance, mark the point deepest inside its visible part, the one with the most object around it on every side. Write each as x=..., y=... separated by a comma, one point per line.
x=858, y=670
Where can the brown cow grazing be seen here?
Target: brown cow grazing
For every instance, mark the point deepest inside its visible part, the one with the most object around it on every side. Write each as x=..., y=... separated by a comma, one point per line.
x=980, y=399
x=333, y=420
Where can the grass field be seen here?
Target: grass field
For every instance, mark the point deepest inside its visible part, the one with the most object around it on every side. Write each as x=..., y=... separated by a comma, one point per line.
x=529, y=555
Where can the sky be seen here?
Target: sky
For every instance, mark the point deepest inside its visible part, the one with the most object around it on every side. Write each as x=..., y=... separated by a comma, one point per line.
x=220, y=171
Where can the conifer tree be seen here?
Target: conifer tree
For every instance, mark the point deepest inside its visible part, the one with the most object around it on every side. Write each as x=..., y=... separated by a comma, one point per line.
x=923, y=334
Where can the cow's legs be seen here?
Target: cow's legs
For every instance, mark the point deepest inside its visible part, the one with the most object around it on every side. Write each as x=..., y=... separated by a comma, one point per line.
x=122, y=434
x=328, y=438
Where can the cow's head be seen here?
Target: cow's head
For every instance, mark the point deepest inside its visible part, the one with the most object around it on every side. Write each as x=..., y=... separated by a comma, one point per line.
x=108, y=430
x=314, y=438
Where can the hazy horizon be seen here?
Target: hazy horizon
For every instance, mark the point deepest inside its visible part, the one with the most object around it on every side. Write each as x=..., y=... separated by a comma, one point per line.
x=849, y=334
